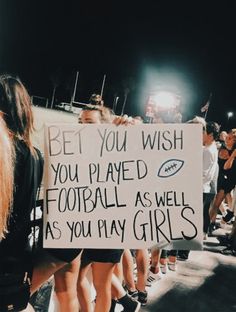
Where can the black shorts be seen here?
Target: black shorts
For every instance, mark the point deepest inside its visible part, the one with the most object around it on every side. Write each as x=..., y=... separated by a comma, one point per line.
x=64, y=254
x=226, y=185
x=101, y=255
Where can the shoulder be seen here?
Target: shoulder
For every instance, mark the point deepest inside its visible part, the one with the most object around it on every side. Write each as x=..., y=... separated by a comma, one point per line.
x=22, y=156
x=208, y=150
x=26, y=160
x=21, y=148
x=39, y=155
x=214, y=148
x=39, y=163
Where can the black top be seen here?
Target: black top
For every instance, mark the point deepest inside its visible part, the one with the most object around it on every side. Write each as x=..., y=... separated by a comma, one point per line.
x=28, y=176
x=226, y=178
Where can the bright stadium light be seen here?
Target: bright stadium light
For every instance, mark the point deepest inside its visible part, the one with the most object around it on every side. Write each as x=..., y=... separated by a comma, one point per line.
x=166, y=89
x=165, y=100
x=230, y=114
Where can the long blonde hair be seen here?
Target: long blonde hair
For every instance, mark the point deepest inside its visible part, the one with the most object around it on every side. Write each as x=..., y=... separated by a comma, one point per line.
x=6, y=177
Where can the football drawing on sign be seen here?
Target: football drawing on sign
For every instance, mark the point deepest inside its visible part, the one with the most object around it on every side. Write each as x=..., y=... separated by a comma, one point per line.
x=170, y=168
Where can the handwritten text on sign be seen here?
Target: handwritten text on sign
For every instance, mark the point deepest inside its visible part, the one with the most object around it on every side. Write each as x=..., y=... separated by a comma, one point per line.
x=123, y=187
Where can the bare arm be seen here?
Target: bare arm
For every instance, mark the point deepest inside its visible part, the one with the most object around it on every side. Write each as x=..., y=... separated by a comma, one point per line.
x=229, y=162
x=122, y=120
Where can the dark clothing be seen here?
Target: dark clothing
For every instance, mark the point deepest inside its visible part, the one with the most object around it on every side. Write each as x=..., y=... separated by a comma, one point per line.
x=207, y=199
x=183, y=254
x=226, y=178
x=101, y=255
x=64, y=254
x=15, y=250
x=166, y=253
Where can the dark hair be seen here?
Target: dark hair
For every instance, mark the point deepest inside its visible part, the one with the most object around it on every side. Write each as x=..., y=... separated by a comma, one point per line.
x=95, y=99
x=106, y=114
x=213, y=128
x=15, y=103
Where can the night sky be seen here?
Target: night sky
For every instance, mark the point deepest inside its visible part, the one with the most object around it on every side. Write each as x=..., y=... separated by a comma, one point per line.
x=188, y=46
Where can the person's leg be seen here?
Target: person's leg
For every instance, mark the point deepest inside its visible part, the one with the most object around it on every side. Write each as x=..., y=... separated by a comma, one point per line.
x=228, y=199
x=124, y=299
x=207, y=199
x=229, y=211
x=65, y=286
x=216, y=204
x=45, y=265
x=155, y=259
x=158, y=260
x=102, y=275
x=128, y=271
x=163, y=261
x=172, y=259
x=117, y=290
x=142, y=259
x=47, y=261
x=84, y=289
x=29, y=308
x=154, y=273
x=118, y=271
x=223, y=208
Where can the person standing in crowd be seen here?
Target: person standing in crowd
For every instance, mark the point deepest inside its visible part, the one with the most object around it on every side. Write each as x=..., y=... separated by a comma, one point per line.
x=210, y=170
x=226, y=179
x=136, y=290
x=102, y=261
x=96, y=99
x=15, y=249
x=66, y=277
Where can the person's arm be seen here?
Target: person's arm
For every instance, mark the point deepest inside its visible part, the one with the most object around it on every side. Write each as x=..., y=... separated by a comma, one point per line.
x=208, y=164
x=122, y=120
x=228, y=164
x=223, y=153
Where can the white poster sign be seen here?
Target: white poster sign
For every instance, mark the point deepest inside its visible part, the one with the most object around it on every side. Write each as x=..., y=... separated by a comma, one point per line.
x=123, y=187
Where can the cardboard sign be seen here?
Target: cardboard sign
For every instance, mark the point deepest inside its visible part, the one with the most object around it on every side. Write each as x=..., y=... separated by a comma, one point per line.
x=123, y=187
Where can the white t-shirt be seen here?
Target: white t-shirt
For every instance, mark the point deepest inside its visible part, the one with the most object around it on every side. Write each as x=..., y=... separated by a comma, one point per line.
x=210, y=166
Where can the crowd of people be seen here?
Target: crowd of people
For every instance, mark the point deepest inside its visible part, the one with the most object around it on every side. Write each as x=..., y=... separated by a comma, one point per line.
x=21, y=170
